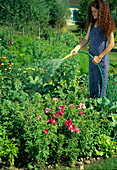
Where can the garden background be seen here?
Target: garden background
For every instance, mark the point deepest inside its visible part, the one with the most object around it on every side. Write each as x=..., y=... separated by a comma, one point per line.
x=47, y=119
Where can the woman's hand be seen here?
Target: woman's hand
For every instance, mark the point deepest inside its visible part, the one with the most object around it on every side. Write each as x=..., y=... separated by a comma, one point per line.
x=74, y=51
x=96, y=60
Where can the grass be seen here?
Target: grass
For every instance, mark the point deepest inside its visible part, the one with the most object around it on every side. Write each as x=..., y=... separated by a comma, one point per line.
x=107, y=164
x=113, y=53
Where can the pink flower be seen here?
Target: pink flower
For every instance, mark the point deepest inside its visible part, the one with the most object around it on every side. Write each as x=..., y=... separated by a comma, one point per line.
x=71, y=126
x=71, y=105
x=61, y=112
x=49, y=120
x=38, y=117
x=61, y=107
x=11, y=44
x=73, y=129
x=47, y=110
x=46, y=131
x=55, y=99
x=77, y=130
x=81, y=106
x=67, y=122
x=51, y=43
x=56, y=114
x=81, y=112
x=53, y=121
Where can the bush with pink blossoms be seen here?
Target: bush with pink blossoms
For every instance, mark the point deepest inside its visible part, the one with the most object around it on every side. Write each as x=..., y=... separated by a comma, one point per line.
x=71, y=126
x=49, y=131
x=69, y=132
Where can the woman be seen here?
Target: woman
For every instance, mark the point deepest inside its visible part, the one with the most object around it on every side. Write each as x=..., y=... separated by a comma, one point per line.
x=100, y=36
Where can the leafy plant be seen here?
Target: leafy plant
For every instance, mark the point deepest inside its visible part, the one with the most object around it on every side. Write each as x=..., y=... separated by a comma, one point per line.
x=52, y=121
x=82, y=13
x=8, y=149
x=113, y=118
x=106, y=147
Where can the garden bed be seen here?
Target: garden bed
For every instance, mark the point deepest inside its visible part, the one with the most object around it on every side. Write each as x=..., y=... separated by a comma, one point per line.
x=45, y=122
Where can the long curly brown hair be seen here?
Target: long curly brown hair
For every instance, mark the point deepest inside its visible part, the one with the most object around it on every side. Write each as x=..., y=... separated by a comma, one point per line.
x=104, y=20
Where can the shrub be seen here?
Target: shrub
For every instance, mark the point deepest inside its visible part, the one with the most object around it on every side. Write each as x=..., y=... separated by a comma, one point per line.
x=106, y=147
x=23, y=11
x=8, y=148
x=82, y=13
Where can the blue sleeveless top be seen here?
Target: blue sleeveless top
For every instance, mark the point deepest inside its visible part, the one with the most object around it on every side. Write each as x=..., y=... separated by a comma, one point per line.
x=97, y=42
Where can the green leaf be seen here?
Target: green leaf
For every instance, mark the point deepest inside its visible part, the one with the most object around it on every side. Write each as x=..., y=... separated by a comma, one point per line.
x=99, y=152
x=30, y=166
x=113, y=107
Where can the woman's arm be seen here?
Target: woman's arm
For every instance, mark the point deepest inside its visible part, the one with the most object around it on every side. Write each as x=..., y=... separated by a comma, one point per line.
x=110, y=38
x=82, y=43
x=110, y=45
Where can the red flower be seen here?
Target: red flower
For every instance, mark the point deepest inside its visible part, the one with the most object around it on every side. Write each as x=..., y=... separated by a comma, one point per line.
x=67, y=122
x=49, y=120
x=73, y=129
x=56, y=114
x=61, y=112
x=61, y=107
x=71, y=126
x=46, y=131
x=53, y=121
x=81, y=112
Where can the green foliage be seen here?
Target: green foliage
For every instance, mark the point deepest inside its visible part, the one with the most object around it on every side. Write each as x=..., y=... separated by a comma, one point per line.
x=84, y=63
x=113, y=9
x=23, y=11
x=59, y=11
x=8, y=149
x=27, y=13
x=38, y=148
x=113, y=118
x=106, y=147
x=24, y=98
x=112, y=88
x=82, y=13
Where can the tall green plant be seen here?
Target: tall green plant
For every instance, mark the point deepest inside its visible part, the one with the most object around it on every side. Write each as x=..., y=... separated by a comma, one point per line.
x=59, y=11
x=113, y=9
x=82, y=13
x=22, y=12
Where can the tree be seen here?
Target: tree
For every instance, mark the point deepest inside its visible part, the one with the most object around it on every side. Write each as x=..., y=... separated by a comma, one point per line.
x=22, y=12
x=113, y=9
x=59, y=11
x=82, y=13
